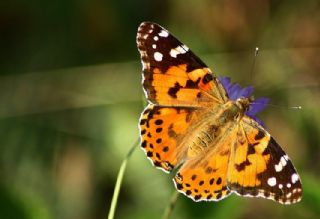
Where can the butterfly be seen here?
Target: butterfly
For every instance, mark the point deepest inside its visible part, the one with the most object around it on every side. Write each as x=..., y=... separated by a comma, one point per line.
x=192, y=124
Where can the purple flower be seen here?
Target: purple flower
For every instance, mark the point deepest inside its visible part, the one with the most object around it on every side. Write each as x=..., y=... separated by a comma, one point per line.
x=234, y=92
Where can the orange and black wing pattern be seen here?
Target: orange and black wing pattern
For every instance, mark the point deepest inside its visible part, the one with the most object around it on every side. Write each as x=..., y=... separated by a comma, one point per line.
x=172, y=74
x=260, y=168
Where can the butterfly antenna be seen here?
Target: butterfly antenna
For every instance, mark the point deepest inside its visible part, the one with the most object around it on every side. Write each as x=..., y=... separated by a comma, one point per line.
x=287, y=107
x=256, y=52
x=278, y=106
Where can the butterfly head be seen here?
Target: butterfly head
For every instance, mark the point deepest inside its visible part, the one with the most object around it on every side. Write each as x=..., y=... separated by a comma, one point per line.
x=243, y=103
x=242, y=96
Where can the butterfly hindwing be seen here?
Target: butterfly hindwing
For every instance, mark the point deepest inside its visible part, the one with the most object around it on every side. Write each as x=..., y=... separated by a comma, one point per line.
x=203, y=177
x=162, y=131
x=260, y=168
x=172, y=74
x=204, y=182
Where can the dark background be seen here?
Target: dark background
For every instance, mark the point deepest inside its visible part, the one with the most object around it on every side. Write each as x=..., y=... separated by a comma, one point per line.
x=70, y=99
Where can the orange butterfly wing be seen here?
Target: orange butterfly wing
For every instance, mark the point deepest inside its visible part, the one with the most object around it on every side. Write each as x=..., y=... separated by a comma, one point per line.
x=260, y=168
x=162, y=132
x=203, y=177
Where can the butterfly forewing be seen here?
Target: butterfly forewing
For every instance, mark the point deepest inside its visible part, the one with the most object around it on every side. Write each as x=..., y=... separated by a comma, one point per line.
x=172, y=74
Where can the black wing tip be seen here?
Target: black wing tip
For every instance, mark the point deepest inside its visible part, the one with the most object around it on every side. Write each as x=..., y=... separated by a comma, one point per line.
x=146, y=25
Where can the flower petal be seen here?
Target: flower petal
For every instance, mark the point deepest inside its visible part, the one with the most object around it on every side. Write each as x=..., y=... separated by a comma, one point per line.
x=235, y=91
x=257, y=106
x=226, y=82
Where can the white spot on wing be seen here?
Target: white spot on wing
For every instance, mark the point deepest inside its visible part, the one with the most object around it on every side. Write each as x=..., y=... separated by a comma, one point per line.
x=280, y=186
x=289, y=202
x=288, y=185
x=157, y=56
x=144, y=66
x=154, y=46
x=289, y=195
x=272, y=181
x=156, y=38
x=173, y=53
x=283, y=161
x=278, y=167
x=163, y=33
x=185, y=48
x=294, y=178
x=176, y=51
x=181, y=50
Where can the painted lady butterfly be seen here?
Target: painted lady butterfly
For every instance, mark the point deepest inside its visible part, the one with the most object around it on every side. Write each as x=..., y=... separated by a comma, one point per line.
x=194, y=121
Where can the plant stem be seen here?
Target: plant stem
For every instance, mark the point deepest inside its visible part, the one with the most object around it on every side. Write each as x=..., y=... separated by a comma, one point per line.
x=171, y=205
x=119, y=181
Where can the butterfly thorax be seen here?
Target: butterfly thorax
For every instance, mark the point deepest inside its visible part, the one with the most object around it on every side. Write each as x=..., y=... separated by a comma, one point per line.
x=236, y=109
x=220, y=120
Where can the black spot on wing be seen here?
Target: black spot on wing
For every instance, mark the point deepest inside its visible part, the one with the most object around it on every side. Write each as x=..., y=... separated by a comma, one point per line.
x=174, y=90
x=158, y=122
x=207, y=78
x=242, y=165
x=165, y=149
x=260, y=135
x=251, y=149
x=210, y=170
x=197, y=197
x=193, y=84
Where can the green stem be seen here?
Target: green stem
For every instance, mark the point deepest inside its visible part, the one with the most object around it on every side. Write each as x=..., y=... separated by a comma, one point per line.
x=171, y=205
x=119, y=181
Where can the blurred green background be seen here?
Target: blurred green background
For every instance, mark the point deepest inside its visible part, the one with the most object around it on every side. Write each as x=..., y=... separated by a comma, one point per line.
x=70, y=99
